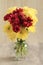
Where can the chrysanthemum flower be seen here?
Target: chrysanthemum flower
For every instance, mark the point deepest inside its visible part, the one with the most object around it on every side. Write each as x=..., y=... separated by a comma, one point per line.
x=8, y=30
x=7, y=27
x=23, y=34
x=18, y=20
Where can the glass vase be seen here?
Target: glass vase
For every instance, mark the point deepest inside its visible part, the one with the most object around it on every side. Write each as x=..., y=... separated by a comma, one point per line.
x=19, y=49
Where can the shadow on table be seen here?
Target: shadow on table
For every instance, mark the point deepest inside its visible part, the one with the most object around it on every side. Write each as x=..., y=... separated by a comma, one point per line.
x=10, y=59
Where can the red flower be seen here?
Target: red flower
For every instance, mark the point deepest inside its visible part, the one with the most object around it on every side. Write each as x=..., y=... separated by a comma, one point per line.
x=6, y=17
x=16, y=28
x=16, y=15
x=29, y=19
x=25, y=23
x=17, y=21
x=29, y=24
x=21, y=17
x=24, y=18
x=14, y=12
x=20, y=10
x=11, y=19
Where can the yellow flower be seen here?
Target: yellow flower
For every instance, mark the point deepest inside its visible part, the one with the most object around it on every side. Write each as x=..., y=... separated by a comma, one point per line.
x=12, y=36
x=31, y=29
x=23, y=34
x=7, y=27
x=29, y=11
x=10, y=33
x=35, y=20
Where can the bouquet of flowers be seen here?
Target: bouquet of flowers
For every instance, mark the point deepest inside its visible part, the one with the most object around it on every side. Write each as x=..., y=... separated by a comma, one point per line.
x=19, y=23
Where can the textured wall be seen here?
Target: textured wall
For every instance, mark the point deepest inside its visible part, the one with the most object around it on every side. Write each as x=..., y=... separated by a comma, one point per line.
x=35, y=40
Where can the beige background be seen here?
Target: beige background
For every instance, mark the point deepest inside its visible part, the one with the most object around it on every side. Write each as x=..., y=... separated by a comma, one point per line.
x=35, y=40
